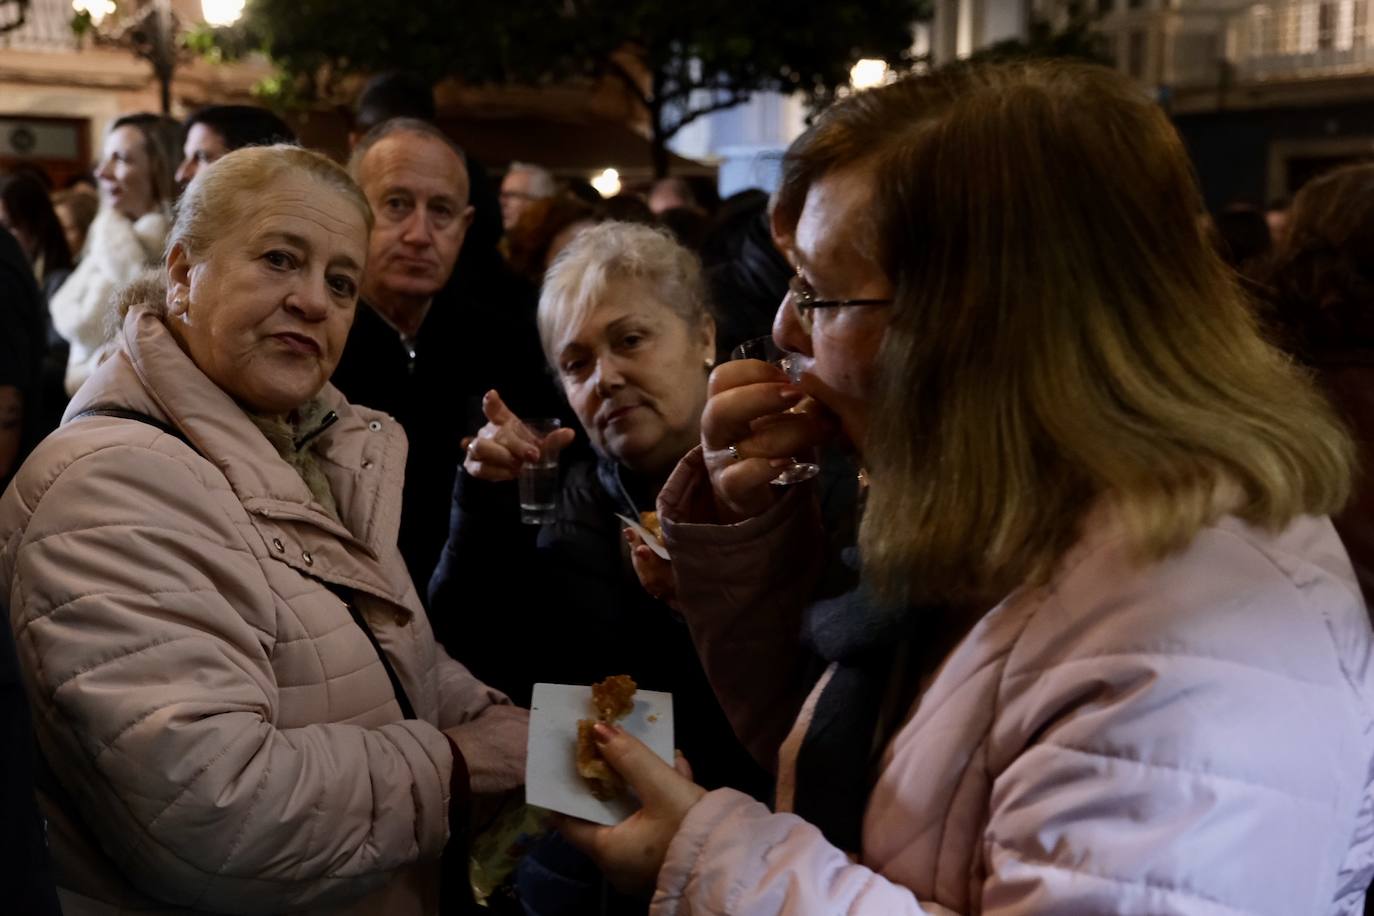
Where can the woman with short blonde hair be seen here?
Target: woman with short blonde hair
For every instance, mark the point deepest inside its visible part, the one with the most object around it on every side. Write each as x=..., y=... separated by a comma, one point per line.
x=1103, y=651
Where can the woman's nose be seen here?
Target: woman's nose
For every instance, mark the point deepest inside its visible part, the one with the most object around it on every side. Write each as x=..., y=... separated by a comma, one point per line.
x=609, y=378
x=310, y=300
x=106, y=169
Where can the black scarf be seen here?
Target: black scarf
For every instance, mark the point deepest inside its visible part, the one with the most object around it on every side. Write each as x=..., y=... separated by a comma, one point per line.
x=878, y=653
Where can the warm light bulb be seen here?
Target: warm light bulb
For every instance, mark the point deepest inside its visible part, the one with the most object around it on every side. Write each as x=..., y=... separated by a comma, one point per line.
x=97, y=9
x=868, y=73
x=607, y=184
x=221, y=12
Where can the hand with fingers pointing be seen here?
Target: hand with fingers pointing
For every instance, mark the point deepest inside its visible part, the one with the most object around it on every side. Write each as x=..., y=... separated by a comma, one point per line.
x=631, y=853
x=504, y=443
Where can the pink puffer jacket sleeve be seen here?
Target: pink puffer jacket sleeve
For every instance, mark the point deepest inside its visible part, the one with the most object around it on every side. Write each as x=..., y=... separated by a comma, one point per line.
x=144, y=625
x=732, y=855
x=742, y=589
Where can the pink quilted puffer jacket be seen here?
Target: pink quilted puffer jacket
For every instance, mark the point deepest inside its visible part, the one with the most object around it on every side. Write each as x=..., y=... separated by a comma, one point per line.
x=1192, y=736
x=223, y=730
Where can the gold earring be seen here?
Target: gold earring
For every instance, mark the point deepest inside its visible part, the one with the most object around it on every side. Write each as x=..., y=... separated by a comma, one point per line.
x=710, y=364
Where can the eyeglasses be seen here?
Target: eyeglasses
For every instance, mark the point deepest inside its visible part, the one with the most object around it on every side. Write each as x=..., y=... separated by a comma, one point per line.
x=805, y=300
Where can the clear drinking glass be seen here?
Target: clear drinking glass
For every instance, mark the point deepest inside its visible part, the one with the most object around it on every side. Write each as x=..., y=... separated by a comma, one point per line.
x=764, y=349
x=539, y=479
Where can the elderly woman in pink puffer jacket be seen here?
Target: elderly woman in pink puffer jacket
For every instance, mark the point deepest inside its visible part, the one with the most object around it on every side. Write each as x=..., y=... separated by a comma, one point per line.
x=233, y=681
x=1108, y=654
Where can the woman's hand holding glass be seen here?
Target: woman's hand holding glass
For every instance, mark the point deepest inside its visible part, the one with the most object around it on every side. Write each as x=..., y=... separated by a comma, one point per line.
x=505, y=444
x=749, y=434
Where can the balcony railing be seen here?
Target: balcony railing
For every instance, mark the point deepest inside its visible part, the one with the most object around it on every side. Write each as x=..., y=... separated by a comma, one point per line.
x=1303, y=38
x=47, y=28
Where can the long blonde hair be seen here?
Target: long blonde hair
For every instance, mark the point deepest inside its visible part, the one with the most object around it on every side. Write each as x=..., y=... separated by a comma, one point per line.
x=1061, y=334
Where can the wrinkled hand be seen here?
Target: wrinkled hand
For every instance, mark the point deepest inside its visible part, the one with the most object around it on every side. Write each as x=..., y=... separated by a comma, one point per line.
x=654, y=572
x=505, y=444
x=747, y=407
x=631, y=853
x=493, y=747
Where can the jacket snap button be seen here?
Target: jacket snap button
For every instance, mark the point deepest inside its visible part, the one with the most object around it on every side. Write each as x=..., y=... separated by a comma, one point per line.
x=276, y=542
x=367, y=465
x=309, y=560
x=375, y=426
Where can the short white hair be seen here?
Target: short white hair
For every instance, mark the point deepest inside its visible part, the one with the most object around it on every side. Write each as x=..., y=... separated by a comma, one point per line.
x=542, y=183
x=615, y=252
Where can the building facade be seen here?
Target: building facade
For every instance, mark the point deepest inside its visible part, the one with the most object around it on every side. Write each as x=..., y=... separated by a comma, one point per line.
x=1265, y=94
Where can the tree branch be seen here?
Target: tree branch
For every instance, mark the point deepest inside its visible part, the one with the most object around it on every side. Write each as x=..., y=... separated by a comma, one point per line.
x=625, y=76
x=735, y=98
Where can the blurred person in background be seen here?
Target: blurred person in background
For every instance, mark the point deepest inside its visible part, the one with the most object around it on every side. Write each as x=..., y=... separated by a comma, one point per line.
x=218, y=129
x=23, y=348
x=1242, y=238
x=687, y=224
x=26, y=209
x=76, y=208
x=1100, y=649
x=136, y=195
x=543, y=230
x=746, y=271
x=669, y=193
x=1321, y=297
x=1276, y=217
x=523, y=185
x=237, y=696
x=627, y=208
x=27, y=212
x=392, y=94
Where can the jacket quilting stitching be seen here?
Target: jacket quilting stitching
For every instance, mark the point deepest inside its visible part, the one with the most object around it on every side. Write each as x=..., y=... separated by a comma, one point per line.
x=1170, y=655
x=244, y=821
x=84, y=669
x=1142, y=883
x=1185, y=771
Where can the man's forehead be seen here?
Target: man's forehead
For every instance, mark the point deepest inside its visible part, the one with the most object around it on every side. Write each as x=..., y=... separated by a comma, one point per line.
x=416, y=162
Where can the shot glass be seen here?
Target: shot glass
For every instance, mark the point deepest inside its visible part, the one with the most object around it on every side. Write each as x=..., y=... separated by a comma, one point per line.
x=539, y=479
x=764, y=349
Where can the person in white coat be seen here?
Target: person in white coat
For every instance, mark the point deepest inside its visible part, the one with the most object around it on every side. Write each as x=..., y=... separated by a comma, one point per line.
x=136, y=193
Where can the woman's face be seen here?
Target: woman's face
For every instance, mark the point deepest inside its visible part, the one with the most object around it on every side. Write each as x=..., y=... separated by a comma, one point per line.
x=267, y=309
x=635, y=375
x=829, y=246
x=126, y=173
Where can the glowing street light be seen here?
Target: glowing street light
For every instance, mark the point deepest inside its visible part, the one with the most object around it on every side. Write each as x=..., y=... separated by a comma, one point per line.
x=221, y=12
x=96, y=9
x=868, y=73
x=607, y=184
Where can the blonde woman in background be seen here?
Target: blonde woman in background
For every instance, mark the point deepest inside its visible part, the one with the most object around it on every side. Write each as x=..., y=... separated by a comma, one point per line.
x=127, y=236
x=1106, y=653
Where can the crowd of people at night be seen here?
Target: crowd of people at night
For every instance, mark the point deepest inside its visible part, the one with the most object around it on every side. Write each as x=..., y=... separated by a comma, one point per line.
x=999, y=520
